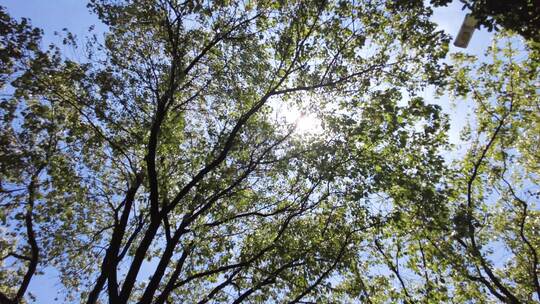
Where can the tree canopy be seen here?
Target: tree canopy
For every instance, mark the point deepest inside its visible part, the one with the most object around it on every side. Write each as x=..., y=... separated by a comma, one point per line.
x=161, y=167
x=520, y=16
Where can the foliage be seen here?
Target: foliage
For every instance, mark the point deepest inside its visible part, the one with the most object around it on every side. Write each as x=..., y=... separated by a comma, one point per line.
x=521, y=16
x=481, y=243
x=484, y=245
x=497, y=203
x=160, y=169
x=162, y=149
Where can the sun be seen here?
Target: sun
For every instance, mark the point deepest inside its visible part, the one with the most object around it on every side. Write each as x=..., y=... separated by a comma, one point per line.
x=308, y=124
x=305, y=122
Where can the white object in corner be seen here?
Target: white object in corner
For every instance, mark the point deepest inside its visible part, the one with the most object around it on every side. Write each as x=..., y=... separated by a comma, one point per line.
x=465, y=32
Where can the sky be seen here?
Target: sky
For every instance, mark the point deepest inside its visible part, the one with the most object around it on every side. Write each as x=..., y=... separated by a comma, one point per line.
x=449, y=19
x=54, y=15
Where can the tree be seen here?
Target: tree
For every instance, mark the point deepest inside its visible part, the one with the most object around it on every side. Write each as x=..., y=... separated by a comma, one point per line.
x=157, y=169
x=483, y=244
x=521, y=16
x=20, y=164
x=498, y=183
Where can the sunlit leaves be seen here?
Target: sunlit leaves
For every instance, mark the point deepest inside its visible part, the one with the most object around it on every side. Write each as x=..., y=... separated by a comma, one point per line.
x=164, y=147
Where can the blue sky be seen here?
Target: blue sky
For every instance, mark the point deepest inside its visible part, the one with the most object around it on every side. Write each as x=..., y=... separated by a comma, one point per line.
x=54, y=15
x=449, y=19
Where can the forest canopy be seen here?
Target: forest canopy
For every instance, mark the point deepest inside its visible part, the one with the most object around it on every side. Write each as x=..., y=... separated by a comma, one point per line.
x=164, y=167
